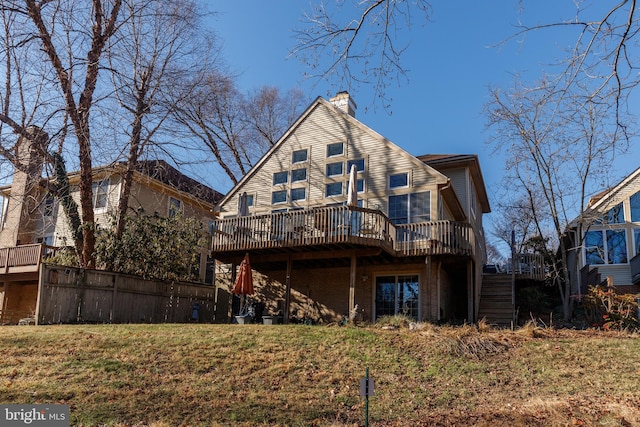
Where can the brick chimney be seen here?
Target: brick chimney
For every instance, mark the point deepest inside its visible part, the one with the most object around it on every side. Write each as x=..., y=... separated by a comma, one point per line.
x=19, y=223
x=344, y=102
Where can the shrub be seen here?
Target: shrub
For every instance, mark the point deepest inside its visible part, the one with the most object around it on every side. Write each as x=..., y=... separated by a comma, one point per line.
x=153, y=247
x=65, y=256
x=609, y=310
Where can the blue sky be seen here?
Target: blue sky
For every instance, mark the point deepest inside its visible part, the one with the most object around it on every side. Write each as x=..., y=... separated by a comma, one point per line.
x=450, y=59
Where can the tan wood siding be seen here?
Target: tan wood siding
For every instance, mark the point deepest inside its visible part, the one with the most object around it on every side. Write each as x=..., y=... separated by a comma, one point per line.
x=460, y=182
x=324, y=127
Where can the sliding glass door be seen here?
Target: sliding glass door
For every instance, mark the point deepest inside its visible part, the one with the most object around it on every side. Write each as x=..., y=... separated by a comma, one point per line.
x=397, y=295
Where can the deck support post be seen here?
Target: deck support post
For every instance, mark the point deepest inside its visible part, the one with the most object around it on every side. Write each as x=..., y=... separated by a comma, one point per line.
x=352, y=285
x=471, y=292
x=287, y=293
x=233, y=280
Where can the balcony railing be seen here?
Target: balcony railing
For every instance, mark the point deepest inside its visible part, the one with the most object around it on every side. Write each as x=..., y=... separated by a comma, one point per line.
x=435, y=238
x=528, y=266
x=23, y=259
x=341, y=224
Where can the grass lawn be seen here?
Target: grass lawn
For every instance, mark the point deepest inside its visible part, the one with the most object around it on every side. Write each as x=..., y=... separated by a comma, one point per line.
x=295, y=375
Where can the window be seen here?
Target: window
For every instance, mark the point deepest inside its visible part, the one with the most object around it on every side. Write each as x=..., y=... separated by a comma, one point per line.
x=298, y=175
x=334, y=169
x=399, y=180
x=359, y=165
x=360, y=185
x=419, y=207
x=617, y=247
x=299, y=156
x=615, y=215
x=175, y=207
x=298, y=194
x=636, y=240
x=336, y=149
x=409, y=208
x=278, y=197
x=399, y=209
x=613, y=250
x=100, y=194
x=472, y=200
x=594, y=247
x=46, y=240
x=397, y=295
x=333, y=189
x=280, y=177
x=49, y=203
x=634, y=201
x=249, y=200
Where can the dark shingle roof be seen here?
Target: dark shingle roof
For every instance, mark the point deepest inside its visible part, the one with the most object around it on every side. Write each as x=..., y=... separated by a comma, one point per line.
x=167, y=174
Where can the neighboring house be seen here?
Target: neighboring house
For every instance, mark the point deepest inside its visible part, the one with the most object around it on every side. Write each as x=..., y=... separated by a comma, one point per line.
x=412, y=244
x=607, y=238
x=31, y=220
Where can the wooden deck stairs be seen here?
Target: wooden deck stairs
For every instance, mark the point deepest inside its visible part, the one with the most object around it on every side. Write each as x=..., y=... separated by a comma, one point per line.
x=496, y=304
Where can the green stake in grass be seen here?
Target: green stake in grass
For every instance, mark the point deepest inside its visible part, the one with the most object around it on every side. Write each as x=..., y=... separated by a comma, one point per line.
x=366, y=390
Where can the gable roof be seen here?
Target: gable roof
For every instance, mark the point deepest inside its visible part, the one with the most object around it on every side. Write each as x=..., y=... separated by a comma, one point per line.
x=604, y=197
x=168, y=175
x=157, y=170
x=601, y=201
x=320, y=102
x=447, y=161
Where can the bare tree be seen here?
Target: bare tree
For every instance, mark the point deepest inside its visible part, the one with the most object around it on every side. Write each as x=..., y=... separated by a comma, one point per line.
x=604, y=57
x=269, y=113
x=236, y=128
x=67, y=40
x=155, y=50
x=557, y=147
x=364, y=48
x=514, y=216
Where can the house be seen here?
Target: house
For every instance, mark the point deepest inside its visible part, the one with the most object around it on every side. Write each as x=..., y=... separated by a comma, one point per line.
x=413, y=242
x=32, y=222
x=606, y=238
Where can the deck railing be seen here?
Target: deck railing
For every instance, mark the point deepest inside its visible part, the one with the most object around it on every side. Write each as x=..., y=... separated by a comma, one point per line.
x=341, y=224
x=25, y=258
x=435, y=238
x=528, y=266
x=300, y=228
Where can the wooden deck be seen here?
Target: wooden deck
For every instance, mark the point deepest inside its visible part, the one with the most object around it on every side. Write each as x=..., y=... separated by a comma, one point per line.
x=23, y=259
x=341, y=225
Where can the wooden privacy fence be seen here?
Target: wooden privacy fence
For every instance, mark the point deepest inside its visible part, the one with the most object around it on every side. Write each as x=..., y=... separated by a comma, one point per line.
x=71, y=295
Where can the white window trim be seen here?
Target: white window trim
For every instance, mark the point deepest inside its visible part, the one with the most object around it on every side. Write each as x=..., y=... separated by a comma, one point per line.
x=408, y=173
x=286, y=197
x=301, y=162
x=335, y=175
x=344, y=149
x=364, y=167
x=94, y=196
x=180, y=207
x=306, y=178
x=280, y=183
x=605, y=245
x=333, y=195
x=298, y=200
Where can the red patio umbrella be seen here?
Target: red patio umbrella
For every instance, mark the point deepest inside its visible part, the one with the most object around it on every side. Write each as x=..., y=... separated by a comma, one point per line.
x=244, y=281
